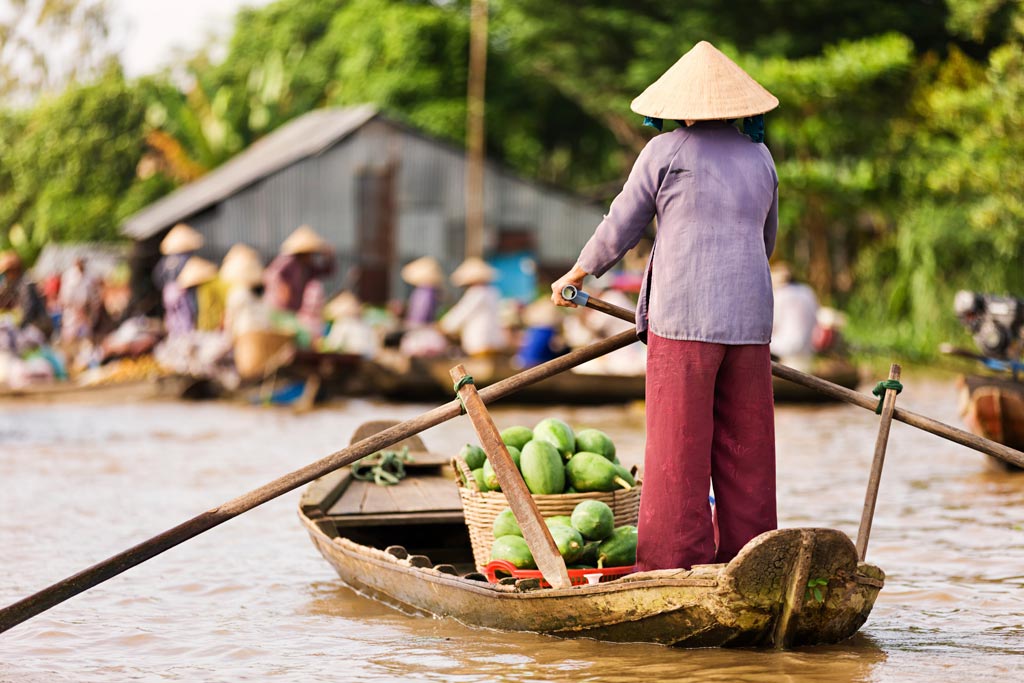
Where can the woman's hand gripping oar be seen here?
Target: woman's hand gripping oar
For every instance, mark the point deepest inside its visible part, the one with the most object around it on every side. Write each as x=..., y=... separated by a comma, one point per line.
x=996, y=450
x=26, y=608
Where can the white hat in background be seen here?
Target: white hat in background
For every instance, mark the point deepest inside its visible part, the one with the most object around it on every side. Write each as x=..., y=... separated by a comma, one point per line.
x=241, y=266
x=423, y=272
x=197, y=271
x=181, y=239
x=473, y=271
x=305, y=240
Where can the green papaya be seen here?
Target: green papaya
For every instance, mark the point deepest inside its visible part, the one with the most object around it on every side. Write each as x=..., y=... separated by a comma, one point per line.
x=568, y=540
x=564, y=520
x=619, y=549
x=624, y=475
x=558, y=434
x=505, y=524
x=513, y=549
x=481, y=483
x=591, y=472
x=595, y=441
x=542, y=469
x=490, y=477
x=473, y=455
x=593, y=519
x=517, y=436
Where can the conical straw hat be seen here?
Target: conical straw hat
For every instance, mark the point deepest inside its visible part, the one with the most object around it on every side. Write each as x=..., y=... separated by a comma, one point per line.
x=180, y=240
x=197, y=271
x=344, y=305
x=704, y=84
x=304, y=240
x=423, y=272
x=241, y=266
x=473, y=271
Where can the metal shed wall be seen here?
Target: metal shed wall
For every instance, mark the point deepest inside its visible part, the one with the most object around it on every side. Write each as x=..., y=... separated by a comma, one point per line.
x=429, y=205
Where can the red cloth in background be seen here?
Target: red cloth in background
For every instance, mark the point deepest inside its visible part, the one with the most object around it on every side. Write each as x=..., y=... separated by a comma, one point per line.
x=710, y=419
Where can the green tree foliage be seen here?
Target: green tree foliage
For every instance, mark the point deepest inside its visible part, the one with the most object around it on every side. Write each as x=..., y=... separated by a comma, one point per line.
x=959, y=209
x=69, y=164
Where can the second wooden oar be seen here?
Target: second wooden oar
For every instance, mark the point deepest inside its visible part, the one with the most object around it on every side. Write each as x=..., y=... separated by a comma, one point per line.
x=26, y=608
x=996, y=450
x=524, y=508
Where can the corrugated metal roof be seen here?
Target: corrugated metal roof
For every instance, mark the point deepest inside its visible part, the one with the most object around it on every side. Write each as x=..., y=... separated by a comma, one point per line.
x=306, y=136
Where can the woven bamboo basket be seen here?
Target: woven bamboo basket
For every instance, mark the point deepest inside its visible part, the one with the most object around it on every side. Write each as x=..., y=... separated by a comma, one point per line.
x=481, y=507
x=260, y=352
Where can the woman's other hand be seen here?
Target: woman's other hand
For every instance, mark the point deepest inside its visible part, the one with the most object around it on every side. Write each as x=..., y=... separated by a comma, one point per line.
x=575, y=278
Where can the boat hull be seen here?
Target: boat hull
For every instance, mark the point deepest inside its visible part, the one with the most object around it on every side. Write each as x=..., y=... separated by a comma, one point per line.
x=752, y=601
x=993, y=408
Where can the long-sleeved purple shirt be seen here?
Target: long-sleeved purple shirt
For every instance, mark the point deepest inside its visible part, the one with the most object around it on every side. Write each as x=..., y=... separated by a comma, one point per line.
x=715, y=194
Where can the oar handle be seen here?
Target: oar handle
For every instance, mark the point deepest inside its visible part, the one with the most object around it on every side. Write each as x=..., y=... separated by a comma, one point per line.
x=577, y=296
x=978, y=443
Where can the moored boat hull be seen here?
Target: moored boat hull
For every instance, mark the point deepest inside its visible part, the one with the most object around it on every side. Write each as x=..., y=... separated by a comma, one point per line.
x=993, y=408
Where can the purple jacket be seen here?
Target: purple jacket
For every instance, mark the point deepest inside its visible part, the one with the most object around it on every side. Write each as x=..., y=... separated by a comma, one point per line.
x=715, y=194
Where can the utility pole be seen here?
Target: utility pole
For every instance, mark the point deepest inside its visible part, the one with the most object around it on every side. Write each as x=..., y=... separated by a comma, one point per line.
x=475, y=129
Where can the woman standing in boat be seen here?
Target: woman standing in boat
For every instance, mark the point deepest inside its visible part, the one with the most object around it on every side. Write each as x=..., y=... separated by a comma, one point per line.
x=705, y=308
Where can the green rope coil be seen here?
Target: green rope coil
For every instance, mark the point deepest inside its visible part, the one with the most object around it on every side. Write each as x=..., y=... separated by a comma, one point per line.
x=463, y=381
x=880, y=390
x=384, y=468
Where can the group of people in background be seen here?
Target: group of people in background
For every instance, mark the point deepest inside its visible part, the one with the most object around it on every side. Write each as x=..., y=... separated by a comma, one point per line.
x=208, y=310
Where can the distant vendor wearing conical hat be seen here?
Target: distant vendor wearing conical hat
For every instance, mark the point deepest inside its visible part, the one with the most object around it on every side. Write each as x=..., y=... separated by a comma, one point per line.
x=705, y=309
x=201, y=276
x=476, y=317
x=305, y=256
x=426, y=277
x=177, y=247
x=241, y=273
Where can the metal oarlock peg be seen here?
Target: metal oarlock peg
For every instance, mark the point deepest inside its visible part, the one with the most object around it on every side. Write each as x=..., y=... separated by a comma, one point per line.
x=573, y=294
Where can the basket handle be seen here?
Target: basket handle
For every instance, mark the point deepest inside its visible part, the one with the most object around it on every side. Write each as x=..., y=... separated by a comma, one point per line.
x=460, y=466
x=494, y=566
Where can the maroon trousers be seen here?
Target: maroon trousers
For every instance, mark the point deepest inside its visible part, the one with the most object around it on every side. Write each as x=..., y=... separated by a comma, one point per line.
x=710, y=421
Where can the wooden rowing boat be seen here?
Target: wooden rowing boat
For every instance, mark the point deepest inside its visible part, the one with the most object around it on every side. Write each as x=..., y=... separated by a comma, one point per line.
x=426, y=379
x=836, y=370
x=993, y=407
x=410, y=549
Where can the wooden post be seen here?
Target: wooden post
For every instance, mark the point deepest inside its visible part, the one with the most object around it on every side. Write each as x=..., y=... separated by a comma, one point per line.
x=475, y=128
x=535, y=530
x=888, y=408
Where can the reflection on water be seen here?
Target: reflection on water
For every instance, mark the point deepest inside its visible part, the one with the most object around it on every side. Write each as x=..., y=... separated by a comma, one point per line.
x=253, y=600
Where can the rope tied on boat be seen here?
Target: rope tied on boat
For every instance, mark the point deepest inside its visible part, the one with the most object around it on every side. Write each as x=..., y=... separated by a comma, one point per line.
x=384, y=468
x=880, y=390
x=463, y=381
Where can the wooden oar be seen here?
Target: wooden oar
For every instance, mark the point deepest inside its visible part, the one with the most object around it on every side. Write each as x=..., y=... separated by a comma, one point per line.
x=996, y=450
x=57, y=593
x=535, y=530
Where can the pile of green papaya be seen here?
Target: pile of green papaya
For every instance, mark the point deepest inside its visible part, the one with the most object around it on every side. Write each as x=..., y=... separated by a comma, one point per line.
x=553, y=459
x=587, y=539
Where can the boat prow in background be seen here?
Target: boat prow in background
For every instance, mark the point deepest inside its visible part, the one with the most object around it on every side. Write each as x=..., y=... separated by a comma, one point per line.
x=787, y=587
x=993, y=407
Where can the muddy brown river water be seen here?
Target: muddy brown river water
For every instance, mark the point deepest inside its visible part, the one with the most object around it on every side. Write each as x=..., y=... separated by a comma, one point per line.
x=252, y=600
